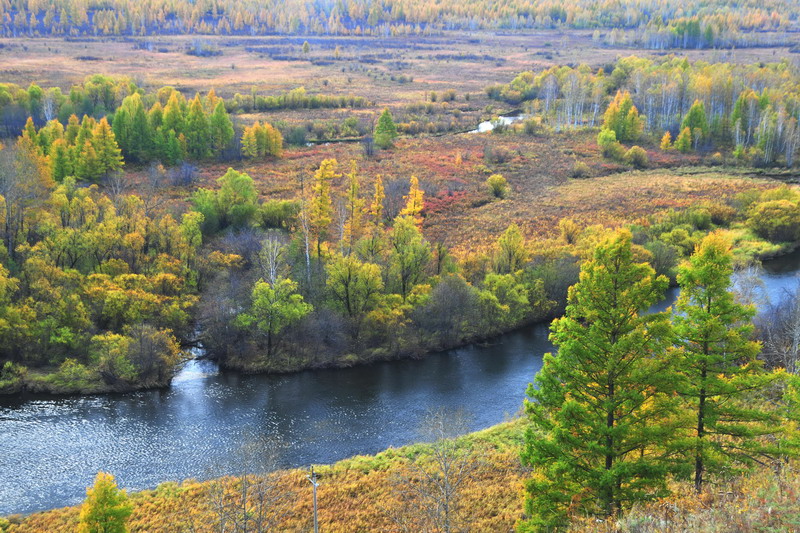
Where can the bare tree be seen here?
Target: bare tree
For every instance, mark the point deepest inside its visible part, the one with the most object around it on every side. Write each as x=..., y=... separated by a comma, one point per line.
x=779, y=329
x=22, y=187
x=432, y=493
x=254, y=500
x=116, y=186
x=271, y=257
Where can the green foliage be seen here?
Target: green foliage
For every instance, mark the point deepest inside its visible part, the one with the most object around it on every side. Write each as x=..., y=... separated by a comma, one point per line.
x=607, y=141
x=277, y=214
x=409, y=255
x=498, y=186
x=695, y=120
x=106, y=508
x=385, y=130
x=637, y=157
x=274, y=307
x=716, y=360
x=683, y=143
x=776, y=220
x=237, y=199
x=623, y=118
x=595, y=442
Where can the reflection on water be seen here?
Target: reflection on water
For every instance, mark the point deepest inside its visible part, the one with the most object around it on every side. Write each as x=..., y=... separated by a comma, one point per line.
x=53, y=447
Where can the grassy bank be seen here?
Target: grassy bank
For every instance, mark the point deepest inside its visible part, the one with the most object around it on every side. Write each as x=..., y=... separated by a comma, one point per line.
x=366, y=493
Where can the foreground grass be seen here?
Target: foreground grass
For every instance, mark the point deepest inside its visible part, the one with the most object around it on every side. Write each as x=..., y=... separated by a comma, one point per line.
x=360, y=494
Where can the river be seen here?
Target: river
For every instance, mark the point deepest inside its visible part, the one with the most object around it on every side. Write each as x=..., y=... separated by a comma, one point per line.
x=51, y=448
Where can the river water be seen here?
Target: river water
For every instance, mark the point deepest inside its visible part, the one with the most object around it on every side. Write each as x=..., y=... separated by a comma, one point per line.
x=51, y=448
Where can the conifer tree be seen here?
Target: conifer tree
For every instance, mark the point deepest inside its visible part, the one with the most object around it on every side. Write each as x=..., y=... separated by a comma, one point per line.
x=173, y=114
x=683, y=143
x=60, y=160
x=220, y=128
x=354, y=206
x=696, y=121
x=415, y=201
x=717, y=359
x=106, y=508
x=321, y=207
x=602, y=406
x=197, y=130
x=250, y=142
x=109, y=156
x=623, y=118
x=385, y=130
x=666, y=141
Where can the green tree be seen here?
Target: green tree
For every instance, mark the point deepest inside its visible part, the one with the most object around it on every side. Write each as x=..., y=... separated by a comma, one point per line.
x=385, y=130
x=623, y=118
x=274, y=308
x=198, y=136
x=696, y=121
x=717, y=359
x=354, y=285
x=109, y=155
x=106, y=508
x=599, y=409
x=409, y=254
x=683, y=143
x=220, y=128
x=510, y=253
x=237, y=199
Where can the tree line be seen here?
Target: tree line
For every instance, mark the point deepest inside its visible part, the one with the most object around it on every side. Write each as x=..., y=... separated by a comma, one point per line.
x=383, y=18
x=749, y=109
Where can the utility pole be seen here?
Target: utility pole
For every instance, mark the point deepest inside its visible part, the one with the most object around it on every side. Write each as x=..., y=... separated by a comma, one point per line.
x=312, y=478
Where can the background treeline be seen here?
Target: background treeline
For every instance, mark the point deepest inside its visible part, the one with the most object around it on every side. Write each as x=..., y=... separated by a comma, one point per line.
x=395, y=17
x=160, y=126
x=752, y=109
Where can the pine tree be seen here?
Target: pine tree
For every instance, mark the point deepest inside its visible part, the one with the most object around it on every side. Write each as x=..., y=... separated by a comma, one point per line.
x=683, y=143
x=173, y=114
x=87, y=166
x=599, y=414
x=220, y=127
x=60, y=160
x=106, y=508
x=717, y=359
x=109, y=156
x=385, y=130
x=696, y=121
x=354, y=205
x=197, y=131
x=73, y=127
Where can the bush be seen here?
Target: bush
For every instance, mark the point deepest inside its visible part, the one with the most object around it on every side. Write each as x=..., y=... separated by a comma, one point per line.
x=776, y=220
x=277, y=213
x=497, y=154
x=498, y=186
x=581, y=170
x=607, y=141
x=637, y=156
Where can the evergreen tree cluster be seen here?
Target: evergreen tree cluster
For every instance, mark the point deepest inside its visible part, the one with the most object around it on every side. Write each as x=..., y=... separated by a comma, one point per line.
x=633, y=399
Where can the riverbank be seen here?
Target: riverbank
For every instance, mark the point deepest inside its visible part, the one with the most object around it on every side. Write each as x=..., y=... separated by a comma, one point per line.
x=366, y=493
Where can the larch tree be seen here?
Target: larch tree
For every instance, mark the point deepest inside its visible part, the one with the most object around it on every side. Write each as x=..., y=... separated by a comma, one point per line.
x=716, y=358
x=415, y=202
x=385, y=130
x=623, y=118
x=198, y=136
x=109, y=155
x=220, y=128
x=106, y=508
x=409, y=254
x=321, y=208
x=601, y=407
